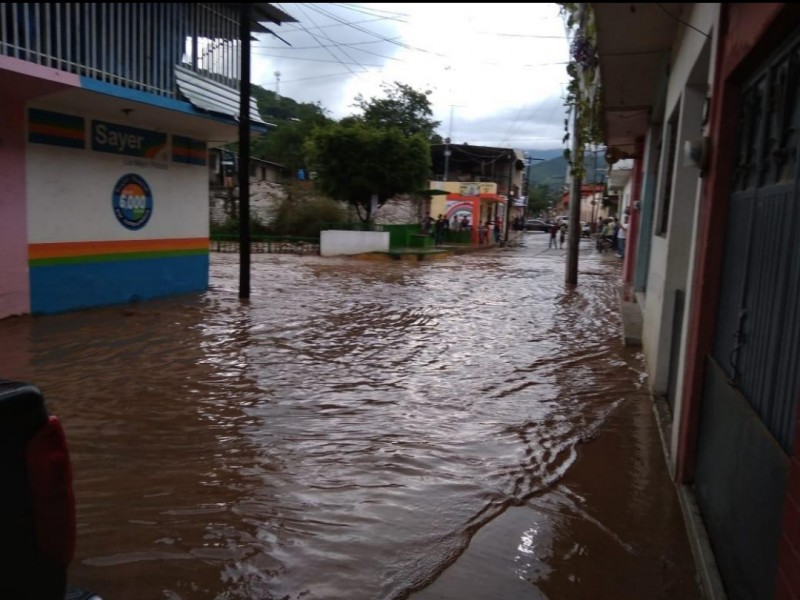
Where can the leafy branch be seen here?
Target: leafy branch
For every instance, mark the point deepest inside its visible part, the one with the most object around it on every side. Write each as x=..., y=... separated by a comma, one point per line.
x=583, y=91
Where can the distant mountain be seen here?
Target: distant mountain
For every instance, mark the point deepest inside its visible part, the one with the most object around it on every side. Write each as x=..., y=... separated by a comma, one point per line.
x=553, y=172
x=545, y=154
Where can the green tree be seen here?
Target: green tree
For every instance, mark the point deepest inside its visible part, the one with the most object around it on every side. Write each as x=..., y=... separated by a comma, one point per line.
x=403, y=108
x=540, y=199
x=304, y=213
x=294, y=122
x=355, y=162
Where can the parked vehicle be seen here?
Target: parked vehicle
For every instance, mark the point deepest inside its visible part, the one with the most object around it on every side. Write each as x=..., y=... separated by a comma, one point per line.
x=536, y=225
x=586, y=230
x=37, y=505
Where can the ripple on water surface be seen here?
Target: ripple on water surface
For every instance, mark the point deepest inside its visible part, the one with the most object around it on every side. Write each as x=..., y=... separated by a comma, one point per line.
x=342, y=435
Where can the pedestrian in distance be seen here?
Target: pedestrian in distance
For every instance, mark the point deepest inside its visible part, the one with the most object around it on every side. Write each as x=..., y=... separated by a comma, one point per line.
x=438, y=230
x=622, y=232
x=553, y=233
x=427, y=225
x=607, y=235
x=562, y=235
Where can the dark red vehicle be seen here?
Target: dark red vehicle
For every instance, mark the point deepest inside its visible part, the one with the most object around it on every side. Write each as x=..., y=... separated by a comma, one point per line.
x=37, y=504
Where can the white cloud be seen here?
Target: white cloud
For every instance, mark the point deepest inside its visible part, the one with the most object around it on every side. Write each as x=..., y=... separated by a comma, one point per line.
x=499, y=69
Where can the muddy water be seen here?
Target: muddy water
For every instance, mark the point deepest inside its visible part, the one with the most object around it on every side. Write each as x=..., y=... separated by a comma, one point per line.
x=342, y=435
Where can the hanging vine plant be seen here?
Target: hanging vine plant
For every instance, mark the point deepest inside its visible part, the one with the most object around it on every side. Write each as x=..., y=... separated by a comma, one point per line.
x=583, y=92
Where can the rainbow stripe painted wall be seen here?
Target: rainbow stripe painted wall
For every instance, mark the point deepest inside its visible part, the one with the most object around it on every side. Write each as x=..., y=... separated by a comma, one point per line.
x=86, y=274
x=115, y=212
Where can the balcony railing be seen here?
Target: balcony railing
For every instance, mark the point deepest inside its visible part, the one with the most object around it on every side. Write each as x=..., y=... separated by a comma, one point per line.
x=134, y=45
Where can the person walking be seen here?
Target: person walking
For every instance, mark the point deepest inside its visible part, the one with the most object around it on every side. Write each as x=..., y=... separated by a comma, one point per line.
x=427, y=225
x=553, y=234
x=438, y=230
x=622, y=232
x=563, y=234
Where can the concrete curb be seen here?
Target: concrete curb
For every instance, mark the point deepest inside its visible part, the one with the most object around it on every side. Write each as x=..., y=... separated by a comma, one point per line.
x=632, y=321
x=708, y=577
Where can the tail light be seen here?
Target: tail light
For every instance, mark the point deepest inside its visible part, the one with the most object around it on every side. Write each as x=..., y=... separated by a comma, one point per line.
x=52, y=498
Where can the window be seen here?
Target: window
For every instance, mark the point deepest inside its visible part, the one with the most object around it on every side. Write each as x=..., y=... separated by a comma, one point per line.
x=669, y=173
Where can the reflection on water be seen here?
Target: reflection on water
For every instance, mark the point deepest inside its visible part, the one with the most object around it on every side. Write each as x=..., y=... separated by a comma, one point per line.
x=342, y=435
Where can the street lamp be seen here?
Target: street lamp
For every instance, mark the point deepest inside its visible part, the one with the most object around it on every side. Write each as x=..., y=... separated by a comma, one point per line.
x=447, y=153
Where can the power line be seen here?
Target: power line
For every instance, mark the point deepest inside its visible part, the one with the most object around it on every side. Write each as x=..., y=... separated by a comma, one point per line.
x=390, y=58
x=319, y=60
x=300, y=6
x=394, y=41
x=382, y=37
x=315, y=47
x=375, y=12
x=301, y=29
x=365, y=11
x=361, y=49
x=681, y=21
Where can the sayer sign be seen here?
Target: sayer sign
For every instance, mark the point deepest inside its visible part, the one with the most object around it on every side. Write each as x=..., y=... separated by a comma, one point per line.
x=130, y=141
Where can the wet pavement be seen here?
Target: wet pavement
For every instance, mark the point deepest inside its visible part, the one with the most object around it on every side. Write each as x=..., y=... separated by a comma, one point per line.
x=463, y=428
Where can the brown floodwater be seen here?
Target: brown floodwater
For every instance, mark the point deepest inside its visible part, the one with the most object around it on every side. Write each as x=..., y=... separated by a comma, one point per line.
x=347, y=432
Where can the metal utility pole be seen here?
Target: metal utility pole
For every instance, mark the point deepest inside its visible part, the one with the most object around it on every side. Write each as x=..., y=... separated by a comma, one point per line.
x=528, y=188
x=510, y=195
x=594, y=190
x=244, y=153
x=573, y=237
x=447, y=150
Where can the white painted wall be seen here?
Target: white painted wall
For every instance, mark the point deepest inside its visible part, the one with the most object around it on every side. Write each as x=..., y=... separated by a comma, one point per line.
x=670, y=267
x=69, y=197
x=334, y=242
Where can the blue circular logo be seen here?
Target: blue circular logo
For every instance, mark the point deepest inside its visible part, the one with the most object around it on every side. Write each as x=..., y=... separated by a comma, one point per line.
x=132, y=201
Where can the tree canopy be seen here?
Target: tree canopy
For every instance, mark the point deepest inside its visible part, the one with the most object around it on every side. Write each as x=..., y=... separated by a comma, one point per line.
x=294, y=123
x=355, y=161
x=541, y=199
x=403, y=108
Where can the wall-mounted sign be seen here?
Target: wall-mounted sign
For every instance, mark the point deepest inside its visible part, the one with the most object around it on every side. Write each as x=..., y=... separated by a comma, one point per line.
x=129, y=141
x=132, y=201
x=188, y=151
x=56, y=129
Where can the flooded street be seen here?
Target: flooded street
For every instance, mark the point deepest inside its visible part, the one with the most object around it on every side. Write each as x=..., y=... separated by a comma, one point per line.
x=347, y=432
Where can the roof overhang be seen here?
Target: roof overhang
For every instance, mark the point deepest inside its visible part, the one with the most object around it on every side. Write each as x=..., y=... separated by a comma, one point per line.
x=263, y=11
x=634, y=45
x=138, y=110
x=209, y=95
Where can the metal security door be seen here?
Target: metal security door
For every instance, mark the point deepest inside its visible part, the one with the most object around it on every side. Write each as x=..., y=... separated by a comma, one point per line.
x=752, y=379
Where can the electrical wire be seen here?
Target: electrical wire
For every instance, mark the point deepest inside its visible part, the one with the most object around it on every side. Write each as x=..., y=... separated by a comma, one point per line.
x=364, y=11
x=374, y=12
x=682, y=22
x=301, y=29
x=384, y=38
x=328, y=50
x=401, y=44
x=319, y=60
x=316, y=47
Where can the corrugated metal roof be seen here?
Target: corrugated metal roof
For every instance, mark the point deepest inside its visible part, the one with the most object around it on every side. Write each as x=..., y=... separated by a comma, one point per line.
x=212, y=96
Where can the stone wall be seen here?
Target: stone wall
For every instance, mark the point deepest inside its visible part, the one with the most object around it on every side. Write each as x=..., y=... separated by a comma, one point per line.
x=264, y=198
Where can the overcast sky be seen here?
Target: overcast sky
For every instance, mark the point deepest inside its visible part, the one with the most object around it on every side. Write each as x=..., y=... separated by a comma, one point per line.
x=498, y=69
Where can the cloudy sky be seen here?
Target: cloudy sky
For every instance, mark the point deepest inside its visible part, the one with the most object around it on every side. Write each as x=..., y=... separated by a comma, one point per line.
x=497, y=71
